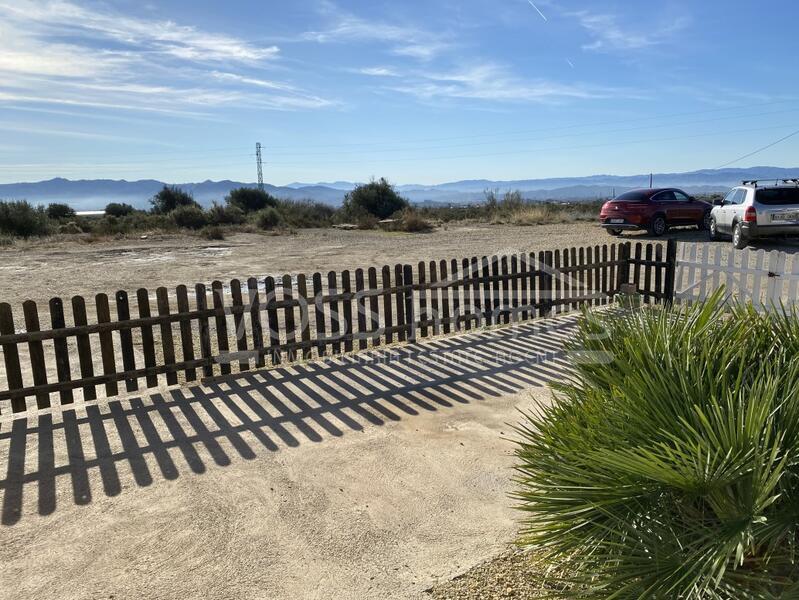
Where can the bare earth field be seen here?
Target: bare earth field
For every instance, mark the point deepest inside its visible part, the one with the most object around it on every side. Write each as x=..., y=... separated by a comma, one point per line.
x=39, y=270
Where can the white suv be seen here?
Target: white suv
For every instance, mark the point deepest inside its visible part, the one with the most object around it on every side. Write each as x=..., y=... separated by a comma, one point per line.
x=754, y=211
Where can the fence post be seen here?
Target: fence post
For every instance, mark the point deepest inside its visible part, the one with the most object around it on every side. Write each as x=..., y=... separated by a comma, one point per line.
x=623, y=273
x=671, y=266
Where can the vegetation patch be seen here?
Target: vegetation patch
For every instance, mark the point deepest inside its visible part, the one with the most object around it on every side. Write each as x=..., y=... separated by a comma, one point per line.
x=669, y=466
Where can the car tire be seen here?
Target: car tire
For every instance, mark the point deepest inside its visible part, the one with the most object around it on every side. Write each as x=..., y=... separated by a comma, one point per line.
x=738, y=240
x=705, y=222
x=658, y=226
x=614, y=232
x=713, y=230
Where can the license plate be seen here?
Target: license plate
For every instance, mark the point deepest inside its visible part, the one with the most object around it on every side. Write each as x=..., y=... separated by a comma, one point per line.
x=614, y=221
x=787, y=216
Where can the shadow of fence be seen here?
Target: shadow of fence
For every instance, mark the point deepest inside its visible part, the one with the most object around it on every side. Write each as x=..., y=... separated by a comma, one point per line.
x=171, y=432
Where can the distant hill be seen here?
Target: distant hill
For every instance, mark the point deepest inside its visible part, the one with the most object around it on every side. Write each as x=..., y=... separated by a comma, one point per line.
x=96, y=193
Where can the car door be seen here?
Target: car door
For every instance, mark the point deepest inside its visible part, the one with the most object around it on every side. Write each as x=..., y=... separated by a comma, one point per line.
x=690, y=212
x=725, y=212
x=665, y=202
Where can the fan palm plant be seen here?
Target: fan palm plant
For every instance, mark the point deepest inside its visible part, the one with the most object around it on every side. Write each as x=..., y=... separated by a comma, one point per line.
x=669, y=469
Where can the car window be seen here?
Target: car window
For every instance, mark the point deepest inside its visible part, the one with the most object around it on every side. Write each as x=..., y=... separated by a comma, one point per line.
x=728, y=199
x=632, y=196
x=667, y=196
x=680, y=197
x=740, y=196
x=778, y=196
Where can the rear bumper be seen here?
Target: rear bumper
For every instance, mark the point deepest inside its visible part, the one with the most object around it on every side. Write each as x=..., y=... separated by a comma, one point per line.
x=753, y=231
x=621, y=226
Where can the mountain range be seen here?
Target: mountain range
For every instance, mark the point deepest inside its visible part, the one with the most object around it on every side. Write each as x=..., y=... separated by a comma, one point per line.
x=94, y=194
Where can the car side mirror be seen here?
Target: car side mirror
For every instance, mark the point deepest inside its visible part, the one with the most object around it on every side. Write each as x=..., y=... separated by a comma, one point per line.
x=691, y=198
x=718, y=202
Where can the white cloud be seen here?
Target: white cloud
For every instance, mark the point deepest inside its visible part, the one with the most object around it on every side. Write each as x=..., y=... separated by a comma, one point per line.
x=493, y=82
x=404, y=40
x=181, y=41
x=608, y=34
x=377, y=72
x=131, y=64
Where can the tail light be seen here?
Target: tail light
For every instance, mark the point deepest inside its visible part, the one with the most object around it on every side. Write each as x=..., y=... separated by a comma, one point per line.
x=750, y=216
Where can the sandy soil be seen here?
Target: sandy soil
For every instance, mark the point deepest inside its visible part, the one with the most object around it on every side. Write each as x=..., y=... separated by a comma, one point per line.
x=43, y=269
x=346, y=479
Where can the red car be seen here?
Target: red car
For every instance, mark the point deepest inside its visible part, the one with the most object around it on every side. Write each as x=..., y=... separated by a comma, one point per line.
x=654, y=210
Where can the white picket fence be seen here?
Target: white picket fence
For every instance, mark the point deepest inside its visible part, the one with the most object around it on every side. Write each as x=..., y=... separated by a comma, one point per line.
x=766, y=279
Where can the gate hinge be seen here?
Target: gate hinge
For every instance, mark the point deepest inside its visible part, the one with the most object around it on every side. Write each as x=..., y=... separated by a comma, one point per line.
x=772, y=274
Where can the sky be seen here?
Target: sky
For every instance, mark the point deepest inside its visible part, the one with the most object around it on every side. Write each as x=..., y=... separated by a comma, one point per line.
x=414, y=91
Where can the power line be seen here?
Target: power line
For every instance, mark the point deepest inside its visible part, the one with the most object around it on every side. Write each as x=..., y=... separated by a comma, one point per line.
x=759, y=150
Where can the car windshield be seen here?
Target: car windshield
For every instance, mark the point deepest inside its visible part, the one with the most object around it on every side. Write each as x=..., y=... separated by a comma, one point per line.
x=634, y=196
x=778, y=196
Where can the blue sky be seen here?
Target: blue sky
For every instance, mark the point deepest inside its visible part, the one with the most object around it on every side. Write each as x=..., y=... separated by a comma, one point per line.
x=418, y=92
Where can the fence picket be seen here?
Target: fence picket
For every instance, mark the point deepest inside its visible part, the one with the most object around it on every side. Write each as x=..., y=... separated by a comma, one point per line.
x=456, y=295
x=125, y=339
x=63, y=369
x=319, y=307
x=186, y=337
x=106, y=344
x=488, y=306
x=434, y=294
x=348, y=330
x=220, y=326
x=239, y=324
x=147, y=339
x=388, y=312
x=270, y=294
x=445, y=308
x=467, y=292
x=360, y=306
x=305, y=316
x=11, y=358
x=85, y=347
x=407, y=277
x=399, y=282
x=255, y=321
x=291, y=337
x=36, y=351
x=477, y=303
x=335, y=314
x=374, y=306
x=423, y=316
x=167, y=343
x=204, y=328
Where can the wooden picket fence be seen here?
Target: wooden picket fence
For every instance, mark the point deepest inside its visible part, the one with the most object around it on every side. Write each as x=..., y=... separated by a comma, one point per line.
x=88, y=353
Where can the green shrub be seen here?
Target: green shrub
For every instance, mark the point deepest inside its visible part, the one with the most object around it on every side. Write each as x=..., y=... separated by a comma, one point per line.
x=213, y=232
x=57, y=211
x=169, y=198
x=669, y=466
x=23, y=220
x=250, y=199
x=117, y=209
x=225, y=215
x=376, y=198
x=189, y=217
x=305, y=213
x=268, y=218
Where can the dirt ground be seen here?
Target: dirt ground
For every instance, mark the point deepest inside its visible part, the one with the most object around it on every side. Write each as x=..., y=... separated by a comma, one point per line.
x=352, y=478
x=40, y=270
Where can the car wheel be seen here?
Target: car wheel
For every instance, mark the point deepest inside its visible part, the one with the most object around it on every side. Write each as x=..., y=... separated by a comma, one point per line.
x=658, y=226
x=738, y=237
x=614, y=232
x=705, y=222
x=713, y=229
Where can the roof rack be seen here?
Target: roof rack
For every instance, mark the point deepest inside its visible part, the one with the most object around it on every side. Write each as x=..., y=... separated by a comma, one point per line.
x=754, y=182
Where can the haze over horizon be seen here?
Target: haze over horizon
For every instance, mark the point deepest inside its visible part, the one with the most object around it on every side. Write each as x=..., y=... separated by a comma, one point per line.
x=417, y=92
